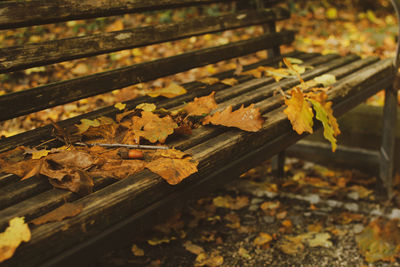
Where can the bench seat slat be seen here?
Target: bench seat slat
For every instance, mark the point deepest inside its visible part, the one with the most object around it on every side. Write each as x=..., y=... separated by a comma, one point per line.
x=29, y=208
x=136, y=193
x=39, y=98
x=36, y=12
x=39, y=54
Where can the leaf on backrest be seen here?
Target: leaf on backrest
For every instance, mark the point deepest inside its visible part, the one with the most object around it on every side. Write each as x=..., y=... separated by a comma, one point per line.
x=202, y=105
x=299, y=112
x=247, y=119
x=172, y=90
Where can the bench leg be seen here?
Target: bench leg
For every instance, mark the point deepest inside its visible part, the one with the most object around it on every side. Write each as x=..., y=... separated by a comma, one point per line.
x=386, y=171
x=278, y=164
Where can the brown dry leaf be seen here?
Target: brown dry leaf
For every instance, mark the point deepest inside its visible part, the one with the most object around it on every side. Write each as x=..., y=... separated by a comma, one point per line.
x=234, y=220
x=213, y=260
x=173, y=170
x=119, y=169
x=231, y=203
x=262, y=239
x=201, y=106
x=102, y=126
x=65, y=211
x=169, y=153
x=209, y=80
x=24, y=169
x=74, y=180
x=299, y=112
x=193, y=248
x=380, y=240
x=230, y=81
x=247, y=119
x=172, y=90
x=16, y=233
x=138, y=252
x=150, y=127
x=291, y=245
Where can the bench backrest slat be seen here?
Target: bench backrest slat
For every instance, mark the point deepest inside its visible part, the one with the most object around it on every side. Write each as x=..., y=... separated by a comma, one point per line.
x=39, y=98
x=14, y=13
x=39, y=54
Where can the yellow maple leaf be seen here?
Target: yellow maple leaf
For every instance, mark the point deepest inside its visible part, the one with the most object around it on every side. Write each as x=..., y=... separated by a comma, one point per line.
x=172, y=90
x=299, y=112
x=147, y=107
x=16, y=233
x=324, y=113
x=120, y=106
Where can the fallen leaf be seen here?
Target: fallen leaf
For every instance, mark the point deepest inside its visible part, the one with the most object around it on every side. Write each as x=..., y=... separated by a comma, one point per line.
x=118, y=169
x=326, y=79
x=146, y=107
x=244, y=253
x=324, y=113
x=247, y=119
x=256, y=73
x=201, y=106
x=213, y=260
x=172, y=90
x=170, y=153
x=102, y=126
x=262, y=239
x=16, y=233
x=270, y=205
x=193, y=248
x=277, y=74
x=173, y=170
x=40, y=154
x=229, y=81
x=293, y=60
x=65, y=211
x=209, y=80
x=320, y=240
x=120, y=106
x=158, y=241
x=291, y=245
x=299, y=112
x=231, y=203
x=138, y=252
x=150, y=127
x=380, y=240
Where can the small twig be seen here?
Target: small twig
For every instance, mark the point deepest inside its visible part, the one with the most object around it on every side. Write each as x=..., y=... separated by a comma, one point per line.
x=121, y=145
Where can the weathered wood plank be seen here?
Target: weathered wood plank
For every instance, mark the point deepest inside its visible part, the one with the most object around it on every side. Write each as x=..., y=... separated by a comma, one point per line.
x=136, y=193
x=39, y=98
x=27, y=13
x=39, y=54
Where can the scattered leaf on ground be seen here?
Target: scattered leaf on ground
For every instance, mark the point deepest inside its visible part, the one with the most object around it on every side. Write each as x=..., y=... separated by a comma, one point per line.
x=213, y=260
x=320, y=240
x=231, y=203
x=244, y=253
x=193, y=248
x=262, y=239
x=16, y=233
x=201, y=106
x=172, y=90
x=247, y=119
x=380, y=240
x=65, y=211
x=138, y=252
x=291, y=245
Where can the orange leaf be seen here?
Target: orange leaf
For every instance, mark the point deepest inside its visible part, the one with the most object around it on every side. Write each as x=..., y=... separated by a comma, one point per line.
x=150, y=127
x=230, y=81
x=65, y=211
x=299, y=112
x=170, y=91
x=173, y=170
x=16, y=233
x=209, y=80
x=202, y=105
x=247, y=119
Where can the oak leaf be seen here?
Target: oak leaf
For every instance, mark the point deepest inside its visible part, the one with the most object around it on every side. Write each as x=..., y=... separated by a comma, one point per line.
x=16, y=233
x=172, y=90
x=299, y=112
x=65, y=211
x=202, y=105
x=150, y=127
x=247, y=119
x=173, y=170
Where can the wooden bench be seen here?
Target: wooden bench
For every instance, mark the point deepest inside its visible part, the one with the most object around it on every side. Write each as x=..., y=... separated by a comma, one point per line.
x=117, y=210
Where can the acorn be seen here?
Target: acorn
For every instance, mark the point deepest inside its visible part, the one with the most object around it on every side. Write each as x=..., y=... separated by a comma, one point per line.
x=126, y=153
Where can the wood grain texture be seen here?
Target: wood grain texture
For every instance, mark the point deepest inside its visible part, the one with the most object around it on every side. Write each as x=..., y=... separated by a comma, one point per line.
x=35, y=12
x=39, y=98
x=39, y=54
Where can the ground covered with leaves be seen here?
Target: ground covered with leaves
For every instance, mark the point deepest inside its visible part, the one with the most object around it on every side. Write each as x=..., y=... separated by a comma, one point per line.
x=314, y=216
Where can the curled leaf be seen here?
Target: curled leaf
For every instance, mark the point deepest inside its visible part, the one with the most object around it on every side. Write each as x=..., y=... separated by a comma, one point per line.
x=247, y=119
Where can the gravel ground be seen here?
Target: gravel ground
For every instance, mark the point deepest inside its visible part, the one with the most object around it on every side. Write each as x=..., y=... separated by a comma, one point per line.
x=255, y=221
